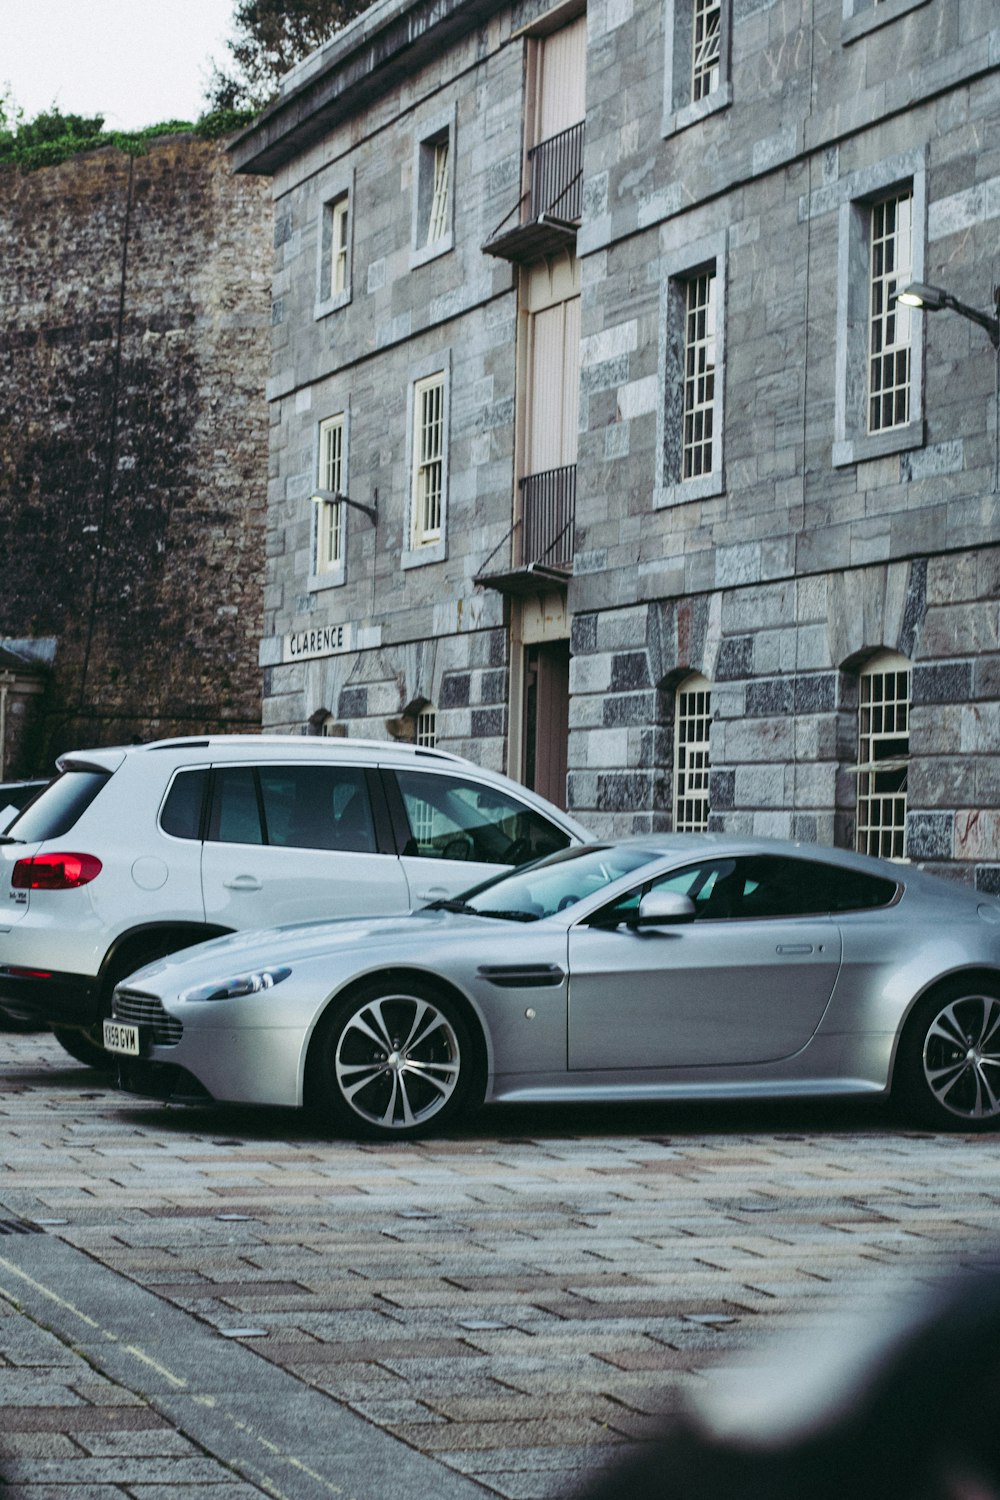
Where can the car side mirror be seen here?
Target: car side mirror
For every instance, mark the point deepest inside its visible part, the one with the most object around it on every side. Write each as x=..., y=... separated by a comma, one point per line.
x=664, y=909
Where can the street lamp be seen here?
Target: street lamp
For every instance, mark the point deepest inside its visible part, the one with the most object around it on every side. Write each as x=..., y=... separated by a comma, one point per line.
x=934, y=298
x=334, y=497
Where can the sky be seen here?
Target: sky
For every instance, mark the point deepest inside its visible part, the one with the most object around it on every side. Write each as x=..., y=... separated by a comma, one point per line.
x=136, y=62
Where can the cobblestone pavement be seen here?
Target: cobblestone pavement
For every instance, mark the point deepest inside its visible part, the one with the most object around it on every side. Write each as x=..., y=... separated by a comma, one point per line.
x=228, y=1304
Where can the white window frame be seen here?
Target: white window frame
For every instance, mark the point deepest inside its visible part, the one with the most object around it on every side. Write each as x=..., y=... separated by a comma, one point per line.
x=433, y=203
x=883, y=721
x=890, y=323
x=692, y=755
x=853, y=441
x=673, y=485
x=329, y=527
x=334, y=238
x=681, y=75
x=427, y=543
x=425, y=727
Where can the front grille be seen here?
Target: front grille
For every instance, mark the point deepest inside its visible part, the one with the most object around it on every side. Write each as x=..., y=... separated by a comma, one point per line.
x=138, y=1009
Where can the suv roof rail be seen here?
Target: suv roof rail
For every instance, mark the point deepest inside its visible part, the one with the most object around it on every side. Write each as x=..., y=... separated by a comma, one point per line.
x=336, y=745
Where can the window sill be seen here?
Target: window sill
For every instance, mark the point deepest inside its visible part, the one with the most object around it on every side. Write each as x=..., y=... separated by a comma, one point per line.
x=322, y=309
x=878, y=444
x=705, y=487
x=424, y=253
x=334, y=579
x=419, y=557
x=681, y=119
x=858, y=25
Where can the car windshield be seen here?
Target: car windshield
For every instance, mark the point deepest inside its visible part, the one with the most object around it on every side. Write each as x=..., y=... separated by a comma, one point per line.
x=54, y=812
x=555, y=883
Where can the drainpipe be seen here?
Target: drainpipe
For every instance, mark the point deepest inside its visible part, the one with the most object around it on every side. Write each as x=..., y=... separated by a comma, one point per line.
x=5, y=680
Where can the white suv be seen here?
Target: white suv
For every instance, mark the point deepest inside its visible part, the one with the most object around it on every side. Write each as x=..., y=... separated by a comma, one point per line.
x=134, y=852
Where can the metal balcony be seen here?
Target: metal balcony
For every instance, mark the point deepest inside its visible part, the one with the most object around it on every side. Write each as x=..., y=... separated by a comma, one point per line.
x=548, y=511
x=551, y=208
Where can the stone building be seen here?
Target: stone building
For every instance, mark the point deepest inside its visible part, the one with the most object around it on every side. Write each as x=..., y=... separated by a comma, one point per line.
x=133, y=447
x=655, y=495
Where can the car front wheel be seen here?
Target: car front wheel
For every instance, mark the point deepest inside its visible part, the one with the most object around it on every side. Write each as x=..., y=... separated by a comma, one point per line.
x=950, y=1059
x=394, y=1061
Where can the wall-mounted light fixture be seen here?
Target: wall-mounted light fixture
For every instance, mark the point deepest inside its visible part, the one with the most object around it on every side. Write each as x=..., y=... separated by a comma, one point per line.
x=334, y=497
x=935, y=299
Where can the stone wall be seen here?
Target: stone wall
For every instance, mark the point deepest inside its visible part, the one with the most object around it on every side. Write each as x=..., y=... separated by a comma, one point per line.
x=134, y=316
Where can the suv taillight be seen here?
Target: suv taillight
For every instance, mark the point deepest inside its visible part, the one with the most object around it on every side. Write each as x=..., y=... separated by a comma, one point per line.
x=54, y=872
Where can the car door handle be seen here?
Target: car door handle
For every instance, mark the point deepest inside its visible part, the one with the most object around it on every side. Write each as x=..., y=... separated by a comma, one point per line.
x=433, y=894
x=795, y=948
x=242, y=883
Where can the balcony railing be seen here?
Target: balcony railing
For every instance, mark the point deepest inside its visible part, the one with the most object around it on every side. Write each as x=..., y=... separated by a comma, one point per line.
x=548, y=511
x=547, y=214
x=556, y=170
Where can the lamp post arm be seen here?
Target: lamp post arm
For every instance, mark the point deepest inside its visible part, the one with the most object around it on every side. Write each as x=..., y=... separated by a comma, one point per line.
x=985, y=320
x=336, y=498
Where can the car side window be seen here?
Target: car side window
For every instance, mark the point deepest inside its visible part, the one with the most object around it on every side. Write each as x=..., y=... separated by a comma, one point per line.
x=318, y=807
x=235, y=815
x=452, y=818
x=181, y=814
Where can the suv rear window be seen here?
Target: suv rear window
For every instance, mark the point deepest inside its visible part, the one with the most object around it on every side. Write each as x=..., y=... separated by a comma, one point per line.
x=57, y=809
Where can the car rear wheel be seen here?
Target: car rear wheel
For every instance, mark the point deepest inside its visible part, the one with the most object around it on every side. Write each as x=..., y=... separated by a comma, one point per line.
x=949, y=1059
x=393, y=1061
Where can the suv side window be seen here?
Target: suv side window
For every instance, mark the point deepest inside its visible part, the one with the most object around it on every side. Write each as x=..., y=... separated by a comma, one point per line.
x=452, y=818
x=235, y=816
x=318, y=807
x=182, y=806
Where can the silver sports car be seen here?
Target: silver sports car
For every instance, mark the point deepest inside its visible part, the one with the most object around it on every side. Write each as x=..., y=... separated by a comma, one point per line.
x=673, y=967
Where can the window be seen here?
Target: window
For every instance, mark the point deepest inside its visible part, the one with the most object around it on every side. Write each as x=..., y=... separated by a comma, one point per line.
x=433, y=189
x=879, y=363
x=707, y=37
x=692, y=723
x=425, y=729
x=699, y=375
x=691, y=372
x=890, y=269
x=330, y=513
x=883, y=756
x=863, y=16
x=427, y=463
x=761, y=887
x=696, y=63
x=455, y=819
x=301, y=807
x=338, y=247
x=334, y=267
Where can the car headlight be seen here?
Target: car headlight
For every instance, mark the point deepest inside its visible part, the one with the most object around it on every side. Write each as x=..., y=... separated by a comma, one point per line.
x=239, y=985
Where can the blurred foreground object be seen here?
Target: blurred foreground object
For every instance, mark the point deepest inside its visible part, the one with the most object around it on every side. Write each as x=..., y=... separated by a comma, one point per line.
x=902, y=1400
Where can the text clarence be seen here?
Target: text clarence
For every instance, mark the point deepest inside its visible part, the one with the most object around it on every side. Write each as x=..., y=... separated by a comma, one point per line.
x=323, y=640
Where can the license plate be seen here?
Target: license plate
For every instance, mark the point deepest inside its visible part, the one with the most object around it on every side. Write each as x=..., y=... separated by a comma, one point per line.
x=121, y=1038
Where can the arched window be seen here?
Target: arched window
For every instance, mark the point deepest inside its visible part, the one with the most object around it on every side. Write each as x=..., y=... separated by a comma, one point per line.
x=692, y=723
x=883, y=755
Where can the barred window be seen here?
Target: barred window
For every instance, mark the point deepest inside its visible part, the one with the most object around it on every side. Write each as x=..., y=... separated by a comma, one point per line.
x=883, y=756
x=437, y=226
x=706, y=39
x=699, y=375
x=428, y=459
x=425, y=732
x=891, y=267
x=330, y=517
x=692, y=725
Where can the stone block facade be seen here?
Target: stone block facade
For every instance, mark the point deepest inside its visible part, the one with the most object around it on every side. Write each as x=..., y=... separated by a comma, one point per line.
x=819, y=538
x=133, y=443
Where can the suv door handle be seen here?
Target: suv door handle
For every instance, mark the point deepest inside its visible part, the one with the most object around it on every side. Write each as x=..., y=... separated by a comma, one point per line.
x=243, y=883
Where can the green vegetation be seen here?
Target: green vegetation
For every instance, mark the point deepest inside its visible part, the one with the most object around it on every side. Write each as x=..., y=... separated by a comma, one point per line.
x=52, y=136
x=271, y=37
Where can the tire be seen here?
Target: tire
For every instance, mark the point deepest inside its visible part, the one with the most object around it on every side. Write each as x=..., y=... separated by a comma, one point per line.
x=393, y=1062
x=948, y=1067
x=81, y=1046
